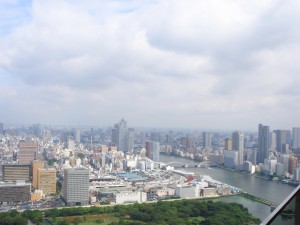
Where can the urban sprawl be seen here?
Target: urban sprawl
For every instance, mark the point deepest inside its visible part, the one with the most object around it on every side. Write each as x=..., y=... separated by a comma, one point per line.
x=46, y=167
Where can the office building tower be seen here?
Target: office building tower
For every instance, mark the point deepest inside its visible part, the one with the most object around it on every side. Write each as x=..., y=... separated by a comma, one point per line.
x=28, y=151
x=228, y=144
x=1, y=129
x=207, y=140
x=16, y=172
x=189, y=142
x=296, y=138
x=273, y=143
x=35, y=166
x=77, y=136
x=130, y=140
x=76, y=186
x=282, y=140
x=152, y=150
x=238, y=145
x=46, y=181
x=71, y=145
x=15, y=192
x=119, y=135
x=263, y=143
x=231, y=159
x=293, y=163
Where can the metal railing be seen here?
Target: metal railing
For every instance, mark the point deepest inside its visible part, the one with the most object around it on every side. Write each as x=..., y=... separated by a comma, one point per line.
x=288, y=212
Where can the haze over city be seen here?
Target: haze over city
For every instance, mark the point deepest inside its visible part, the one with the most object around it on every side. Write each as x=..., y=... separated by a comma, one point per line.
x=183, y=64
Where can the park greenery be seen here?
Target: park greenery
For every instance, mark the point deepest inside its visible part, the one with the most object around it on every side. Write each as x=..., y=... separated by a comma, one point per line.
x=179, y=212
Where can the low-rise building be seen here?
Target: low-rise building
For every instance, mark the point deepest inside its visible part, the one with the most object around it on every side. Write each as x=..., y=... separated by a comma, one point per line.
x=15, y=192
x=131, y=197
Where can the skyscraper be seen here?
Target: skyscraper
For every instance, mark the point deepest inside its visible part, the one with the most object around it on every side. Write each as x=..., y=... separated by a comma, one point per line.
x=152, y=150
x=206, y=140
x=119, y=135
x=282, y=140
x=1, y=128
x=296, y=138
x=130, y=140
x=238, y=145
x=76, y=186
x=28, y=151
x=263, y=143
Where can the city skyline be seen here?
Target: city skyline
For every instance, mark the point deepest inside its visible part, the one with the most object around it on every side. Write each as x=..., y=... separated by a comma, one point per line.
x=205, y=65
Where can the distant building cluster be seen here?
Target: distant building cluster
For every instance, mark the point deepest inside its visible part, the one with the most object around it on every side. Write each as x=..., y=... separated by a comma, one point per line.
x=80, y=166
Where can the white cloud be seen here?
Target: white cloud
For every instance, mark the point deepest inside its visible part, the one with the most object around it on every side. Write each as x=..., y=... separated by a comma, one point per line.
x=169, y=63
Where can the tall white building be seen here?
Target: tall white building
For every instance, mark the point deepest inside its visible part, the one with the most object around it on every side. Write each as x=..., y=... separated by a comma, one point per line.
x=238, y=145
x=76, y=186
x=296, y=137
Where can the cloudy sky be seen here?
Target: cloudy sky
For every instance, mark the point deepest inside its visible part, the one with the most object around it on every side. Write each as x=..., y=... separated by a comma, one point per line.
x=162, y=63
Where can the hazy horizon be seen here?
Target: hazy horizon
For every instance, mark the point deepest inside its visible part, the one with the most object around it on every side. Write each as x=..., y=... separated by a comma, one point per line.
x=218, y=65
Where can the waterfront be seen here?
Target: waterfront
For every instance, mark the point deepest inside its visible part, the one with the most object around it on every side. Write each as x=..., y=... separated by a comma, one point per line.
x=274, y=191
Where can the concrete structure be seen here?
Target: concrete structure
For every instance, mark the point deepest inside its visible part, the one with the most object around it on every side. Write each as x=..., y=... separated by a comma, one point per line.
x=238, y=145
x=279, y=169
x=76, y=186
x=119, y=135
x=296, y=174
x=130, y=140
x=131, y=197
x=207, y=140
x=71, y=144
x=152, y=150
x=293, y=163
x=16, y=172
x=46, y=181
x=15, y=192
x=35, y=166
x=282, y=140
x=228, y=144
x=263, y=143
x=28, y=151
x=230, y=158
x=1, y=129
x=187, y=191
x=296, y=138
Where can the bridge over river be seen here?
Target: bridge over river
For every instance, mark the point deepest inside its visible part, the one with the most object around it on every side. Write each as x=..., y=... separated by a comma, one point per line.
x=186, y=165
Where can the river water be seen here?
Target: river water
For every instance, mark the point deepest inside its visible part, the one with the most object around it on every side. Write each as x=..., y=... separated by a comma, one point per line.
x=274, y=191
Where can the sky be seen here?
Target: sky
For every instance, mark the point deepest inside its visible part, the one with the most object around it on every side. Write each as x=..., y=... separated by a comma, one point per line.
x=217, y=64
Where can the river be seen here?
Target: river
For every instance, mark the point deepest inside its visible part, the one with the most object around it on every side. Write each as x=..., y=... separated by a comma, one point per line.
x=274, y=191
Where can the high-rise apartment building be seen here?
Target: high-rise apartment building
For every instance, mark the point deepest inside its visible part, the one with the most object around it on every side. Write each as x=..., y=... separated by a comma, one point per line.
x=46, y=181
x=296, y=138
x=238, y=145
x=36, y=164
x=263, y=143
x=119, y=135
x=152, y=150
x=28, y=151
x=76, y=186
